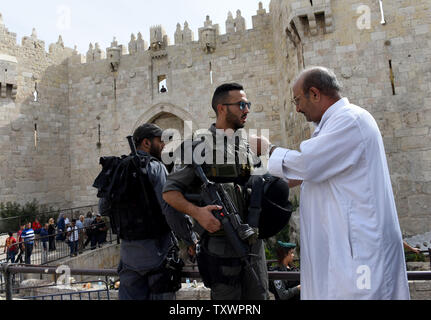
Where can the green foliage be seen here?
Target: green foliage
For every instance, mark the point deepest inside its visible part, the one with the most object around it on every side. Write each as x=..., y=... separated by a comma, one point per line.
x=9, y=209
x=295, y=203
x=413, y=257
x=13, y=214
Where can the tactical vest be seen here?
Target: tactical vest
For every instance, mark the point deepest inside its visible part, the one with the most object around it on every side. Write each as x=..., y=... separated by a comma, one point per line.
x=233, y=175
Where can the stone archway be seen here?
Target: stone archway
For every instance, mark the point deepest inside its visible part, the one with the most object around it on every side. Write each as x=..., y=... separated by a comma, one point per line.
x=168, y=116
x=169, y=121
x=165, y=114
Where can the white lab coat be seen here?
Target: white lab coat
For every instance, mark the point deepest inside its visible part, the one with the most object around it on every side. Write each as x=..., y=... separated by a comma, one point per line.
x=351, y=242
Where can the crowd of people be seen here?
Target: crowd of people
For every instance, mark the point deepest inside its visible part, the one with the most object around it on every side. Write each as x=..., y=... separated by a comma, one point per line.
x=76, y=233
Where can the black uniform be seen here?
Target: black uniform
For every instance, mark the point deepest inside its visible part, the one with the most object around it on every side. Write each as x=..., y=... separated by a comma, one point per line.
x=284, y=289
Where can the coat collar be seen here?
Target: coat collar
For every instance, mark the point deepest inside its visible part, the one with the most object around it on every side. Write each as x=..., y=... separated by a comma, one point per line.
x=331, y=110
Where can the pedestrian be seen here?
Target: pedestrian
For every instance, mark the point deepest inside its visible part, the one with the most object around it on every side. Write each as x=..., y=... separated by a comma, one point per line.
x=51, y=232
x=10, y=248
x=20, y=245
x=28, y=238
x=66, y=221
x=36, y=226
x=284, y=289
x=149, y=268
x=88, y=229
x=98, y=232
x=61, y=227
x=81, y=230
x=44, y=239
x=351, y=241
x=73, y=238
x=231, y=168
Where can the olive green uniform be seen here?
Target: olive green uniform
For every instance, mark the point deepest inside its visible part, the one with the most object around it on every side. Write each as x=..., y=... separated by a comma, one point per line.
x=229, y=279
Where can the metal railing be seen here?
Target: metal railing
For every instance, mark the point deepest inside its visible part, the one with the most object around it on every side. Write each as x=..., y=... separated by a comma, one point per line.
x=55, y=247
x=12, y=286
x=9, y=270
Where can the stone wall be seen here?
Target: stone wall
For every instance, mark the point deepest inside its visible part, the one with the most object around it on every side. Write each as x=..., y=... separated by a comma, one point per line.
x=35, y=166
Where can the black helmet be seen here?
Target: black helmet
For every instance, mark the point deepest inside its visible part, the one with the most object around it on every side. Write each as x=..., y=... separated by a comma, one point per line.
x=276, y=207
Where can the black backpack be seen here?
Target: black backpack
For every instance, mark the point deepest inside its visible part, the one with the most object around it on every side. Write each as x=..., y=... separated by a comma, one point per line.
x=128, y=198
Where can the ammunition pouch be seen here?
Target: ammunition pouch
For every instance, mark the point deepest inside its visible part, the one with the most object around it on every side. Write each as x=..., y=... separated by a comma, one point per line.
x=214, y=269
x=170, y=275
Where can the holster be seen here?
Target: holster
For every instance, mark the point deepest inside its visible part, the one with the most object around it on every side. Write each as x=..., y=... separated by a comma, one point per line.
x=211, y=268
x=170, y=271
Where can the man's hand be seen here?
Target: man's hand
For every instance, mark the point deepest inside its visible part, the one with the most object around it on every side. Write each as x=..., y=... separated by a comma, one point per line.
x=294, y=183
x=416, y=250
x=203, y=215
x=259, y=145
x=206, y=219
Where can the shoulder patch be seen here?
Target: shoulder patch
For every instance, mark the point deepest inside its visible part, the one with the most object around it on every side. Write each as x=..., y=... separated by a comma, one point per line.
x=278, y=284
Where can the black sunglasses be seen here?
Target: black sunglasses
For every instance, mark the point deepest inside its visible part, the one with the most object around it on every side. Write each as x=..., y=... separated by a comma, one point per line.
x=242, y=105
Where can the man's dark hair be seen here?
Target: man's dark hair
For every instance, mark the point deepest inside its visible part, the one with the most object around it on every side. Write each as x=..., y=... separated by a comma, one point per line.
x=146, y=131
x=10, y=234
x=222, y=93
x=322, y=79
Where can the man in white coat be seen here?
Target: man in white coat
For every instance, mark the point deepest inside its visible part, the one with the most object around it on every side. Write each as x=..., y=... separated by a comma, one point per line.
x=351, y=242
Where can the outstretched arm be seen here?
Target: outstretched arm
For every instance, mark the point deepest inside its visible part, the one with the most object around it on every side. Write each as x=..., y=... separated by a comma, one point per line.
x=410, y=248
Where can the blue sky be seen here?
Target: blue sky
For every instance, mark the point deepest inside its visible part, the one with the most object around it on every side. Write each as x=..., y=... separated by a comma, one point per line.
x=81, y=22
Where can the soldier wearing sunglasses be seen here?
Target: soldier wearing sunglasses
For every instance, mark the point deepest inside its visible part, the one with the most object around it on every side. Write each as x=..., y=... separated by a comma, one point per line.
x=225, y=274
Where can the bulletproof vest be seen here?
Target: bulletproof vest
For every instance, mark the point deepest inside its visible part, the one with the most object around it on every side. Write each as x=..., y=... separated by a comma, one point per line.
x=132, y=205
x=226, y=167
x=230, y=162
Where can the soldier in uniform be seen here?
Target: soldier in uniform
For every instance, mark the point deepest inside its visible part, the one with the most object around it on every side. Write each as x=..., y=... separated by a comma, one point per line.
x=148, y=246
x=283, y=289
x=232, y=165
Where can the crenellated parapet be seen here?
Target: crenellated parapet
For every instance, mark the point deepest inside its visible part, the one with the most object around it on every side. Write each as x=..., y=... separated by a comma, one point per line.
x=157, y=48
x=137, y=45
x=158, y=38
x=8, y=76
x=183, y=36
x=114, y=54
x=33, y=42
x=208, y=36
x=304, y=16
x=5, y=35
x=235, y=25
x=261, y=19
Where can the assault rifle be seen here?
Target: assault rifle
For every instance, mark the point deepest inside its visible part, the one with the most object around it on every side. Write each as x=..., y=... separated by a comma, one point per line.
x=236, y=232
